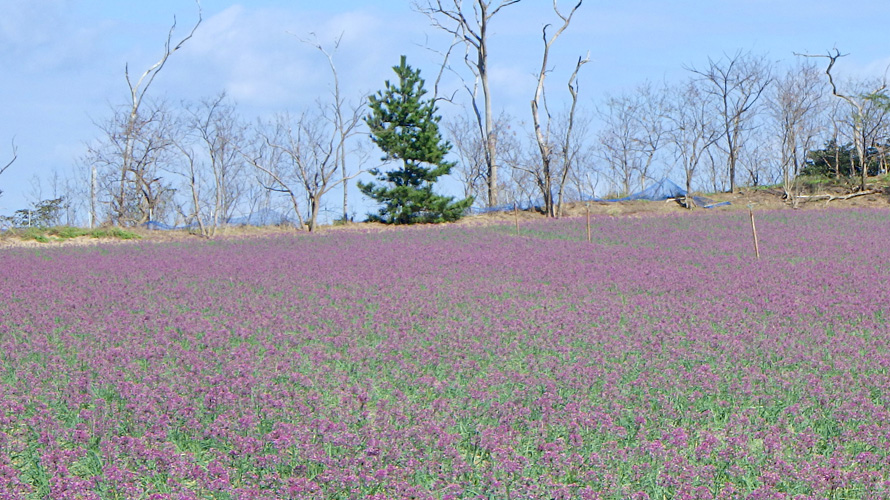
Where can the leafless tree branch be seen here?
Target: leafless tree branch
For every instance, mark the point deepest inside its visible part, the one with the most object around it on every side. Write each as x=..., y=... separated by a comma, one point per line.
x=141, y=86
x=138, y=91
x=444, y=67
x=452, y=17
x=737, y=81
x=542, y=133
x=568, y=152
x=14, y=157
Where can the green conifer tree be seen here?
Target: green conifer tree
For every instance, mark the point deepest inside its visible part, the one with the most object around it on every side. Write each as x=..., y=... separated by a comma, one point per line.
x=406, y=128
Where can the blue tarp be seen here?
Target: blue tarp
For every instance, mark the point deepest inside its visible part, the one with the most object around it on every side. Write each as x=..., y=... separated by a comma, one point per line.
x=265, y=217
x=665, y=189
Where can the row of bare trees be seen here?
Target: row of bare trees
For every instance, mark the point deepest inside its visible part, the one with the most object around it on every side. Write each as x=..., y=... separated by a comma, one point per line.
x=737, y=121
x=734, y=122
x=198, y=163
x=740, y=120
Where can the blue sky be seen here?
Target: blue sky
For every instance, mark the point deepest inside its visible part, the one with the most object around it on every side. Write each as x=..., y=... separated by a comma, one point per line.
x=62, y=60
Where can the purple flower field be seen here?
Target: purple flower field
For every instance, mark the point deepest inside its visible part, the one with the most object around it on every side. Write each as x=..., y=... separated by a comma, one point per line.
x=659, y=362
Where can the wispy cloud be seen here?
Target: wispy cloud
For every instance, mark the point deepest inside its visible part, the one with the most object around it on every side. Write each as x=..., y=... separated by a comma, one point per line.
x=43, y=36
x=258, y=55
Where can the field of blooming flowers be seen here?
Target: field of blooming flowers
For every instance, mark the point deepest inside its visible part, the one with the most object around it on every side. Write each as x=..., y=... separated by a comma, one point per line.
x=660, y=361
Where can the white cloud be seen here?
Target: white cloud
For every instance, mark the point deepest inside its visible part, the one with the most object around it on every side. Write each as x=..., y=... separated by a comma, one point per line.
x=44, y=36
x=246, y=52
x=257, y=55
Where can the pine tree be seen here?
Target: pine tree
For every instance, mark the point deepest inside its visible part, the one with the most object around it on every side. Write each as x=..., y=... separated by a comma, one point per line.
x=406, y=128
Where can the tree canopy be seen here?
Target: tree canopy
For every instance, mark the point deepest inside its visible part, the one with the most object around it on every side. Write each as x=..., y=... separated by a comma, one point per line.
x=405, y=126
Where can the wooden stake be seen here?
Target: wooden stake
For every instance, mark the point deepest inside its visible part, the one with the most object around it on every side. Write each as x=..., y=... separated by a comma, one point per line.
x=754, y=232
x=516, y=217
x=588, y=222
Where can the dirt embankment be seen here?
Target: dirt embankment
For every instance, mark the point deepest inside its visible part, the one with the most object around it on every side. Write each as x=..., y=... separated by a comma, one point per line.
x=758, y=199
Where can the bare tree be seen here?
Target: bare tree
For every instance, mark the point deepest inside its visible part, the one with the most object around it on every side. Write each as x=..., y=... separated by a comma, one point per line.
x=518, y=186
x=868, y=108
x=634, y=133
x=651, y=106
x=66, y=196
x=881, y=144
x=299, y=157
x=737, y=82
x=271, y=161
x=543, y=132
x=470, y=168
x=692, y=131
x=585, y=175
x=213, y=163
x=471, y=26
x=795, y=107
x=617, y=142
x=138, y=192
x=346, y=122
x=832, y=151
x=133, y=140
x=192, y=173
x=10, y=162
x=574, y=132
x=756, y=162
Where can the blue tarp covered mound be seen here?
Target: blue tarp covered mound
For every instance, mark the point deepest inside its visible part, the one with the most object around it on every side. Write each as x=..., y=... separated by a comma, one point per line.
x=665, y=189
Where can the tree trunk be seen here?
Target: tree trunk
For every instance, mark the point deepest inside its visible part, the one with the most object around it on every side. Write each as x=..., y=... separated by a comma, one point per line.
x=863, y=160
x=313, y=214
x=490, y=138
x=197, y=205
x=690, y=203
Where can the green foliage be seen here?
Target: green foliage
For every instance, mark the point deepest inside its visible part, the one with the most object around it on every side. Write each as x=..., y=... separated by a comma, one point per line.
x=33, y=233
x=406, y=128
x=879, y=99
x=66, y=232
x=43, y=214
x=113, y=232
x=56, y=233
x=841, y=159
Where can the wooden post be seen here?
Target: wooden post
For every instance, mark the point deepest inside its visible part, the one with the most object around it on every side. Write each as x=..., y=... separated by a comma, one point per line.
x=587, y=205
x=516, y=217
x=754, y=232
